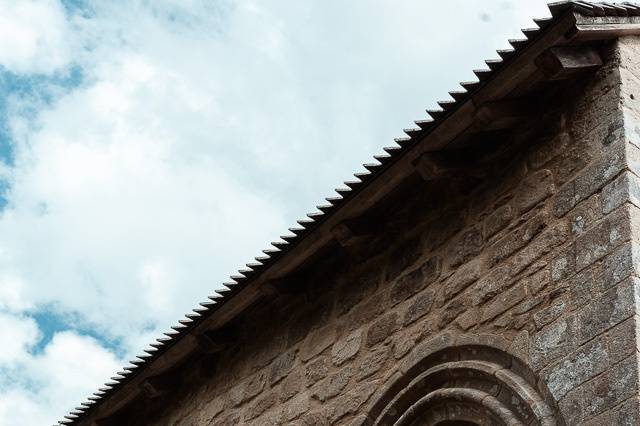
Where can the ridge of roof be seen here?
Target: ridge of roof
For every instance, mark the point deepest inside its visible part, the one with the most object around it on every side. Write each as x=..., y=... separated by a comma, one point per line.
x=312, y=221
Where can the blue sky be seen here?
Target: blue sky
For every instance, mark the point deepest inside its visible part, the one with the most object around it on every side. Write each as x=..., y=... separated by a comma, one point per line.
x=148, y=149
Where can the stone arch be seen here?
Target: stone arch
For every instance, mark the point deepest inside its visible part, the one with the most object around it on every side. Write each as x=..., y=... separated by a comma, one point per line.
x=471, y=380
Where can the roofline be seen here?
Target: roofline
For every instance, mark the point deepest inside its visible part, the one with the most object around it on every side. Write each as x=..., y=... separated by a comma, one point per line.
x=571, y=22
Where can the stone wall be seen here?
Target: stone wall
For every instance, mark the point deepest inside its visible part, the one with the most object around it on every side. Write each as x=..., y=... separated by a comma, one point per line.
x=522, y=280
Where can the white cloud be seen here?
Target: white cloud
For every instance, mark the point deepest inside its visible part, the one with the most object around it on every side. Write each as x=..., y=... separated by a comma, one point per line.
x=41, y=388
x=12, y=289
x=199, y=132
x=34, y=36
x=17, y=335
x=69, y=354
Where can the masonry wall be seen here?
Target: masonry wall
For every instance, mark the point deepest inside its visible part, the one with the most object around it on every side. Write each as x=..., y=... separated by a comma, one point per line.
x=537, y=259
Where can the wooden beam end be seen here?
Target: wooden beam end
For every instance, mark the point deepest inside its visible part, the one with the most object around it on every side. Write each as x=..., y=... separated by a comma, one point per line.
x=564, y=62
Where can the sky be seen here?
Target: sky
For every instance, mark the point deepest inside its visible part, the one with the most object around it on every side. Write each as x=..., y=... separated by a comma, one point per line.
x=149, y=149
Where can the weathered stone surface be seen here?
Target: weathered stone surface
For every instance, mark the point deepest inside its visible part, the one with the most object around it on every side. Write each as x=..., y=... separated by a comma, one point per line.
x=534, y=189
x=592, y=179
x=311, y=318
x=610, y=388
x=231, y=419
x=619, y=264
x=403, y=256
x=426, y=348
x=498, y=220
x=602, y=419
x=261, y=405
x=372, y=362
x=406, y=286
x=620, y=345
x=273, y=417
x=350, y=402
x=281, y=366
x=600, y=173
x=596, y=396
x=411, y=283
x=356, y=289
x=541, y=245
x=292, y=384
x=626, y=414
x=299, y=329
x=315, y=418
x=431, y=269
x=615, y=306
x=419, y=307
x=268, y=348
x=551, y=312
x=564, y=264
x=520, y=346
x=626, y=188
x=553, y=342
x=517, y=239
x=298, y=406
x=623, y=380
x=537, y=282
x=467, y=245
x=469, y=318
x=317, y=370
x=576, y=368
x=317, y=342
x=450, y=222
x=346, y=348
x=332, y=385
x=211, y=409
x=601, y=240
x=464, y=276
x=452, y=310
x=565, y=199
x=633, y=157
x=382, y=328
x=403, y=344
x=549, y=149
x=358, y=421
x=365, y=312
x=503, y=301
x=492, y=284
x=247, y=389
x=568, y=163
x=571, y=406
x=529, y=304
x=585, y=215
x=585, y=286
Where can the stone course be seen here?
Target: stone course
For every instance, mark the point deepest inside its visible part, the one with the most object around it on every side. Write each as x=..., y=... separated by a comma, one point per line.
x=539, y=261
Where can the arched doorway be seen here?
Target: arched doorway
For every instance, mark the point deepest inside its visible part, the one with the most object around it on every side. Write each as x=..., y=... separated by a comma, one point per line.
x=465, y=385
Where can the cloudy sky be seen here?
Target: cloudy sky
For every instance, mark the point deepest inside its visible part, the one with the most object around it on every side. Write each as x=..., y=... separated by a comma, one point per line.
x=148, y=149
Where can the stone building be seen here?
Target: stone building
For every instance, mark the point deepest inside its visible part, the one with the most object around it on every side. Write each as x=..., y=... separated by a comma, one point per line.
x=484, y=271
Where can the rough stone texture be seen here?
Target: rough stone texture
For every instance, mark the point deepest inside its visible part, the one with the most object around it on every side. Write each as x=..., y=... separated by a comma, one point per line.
x=346, y=348
x=539, y=260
